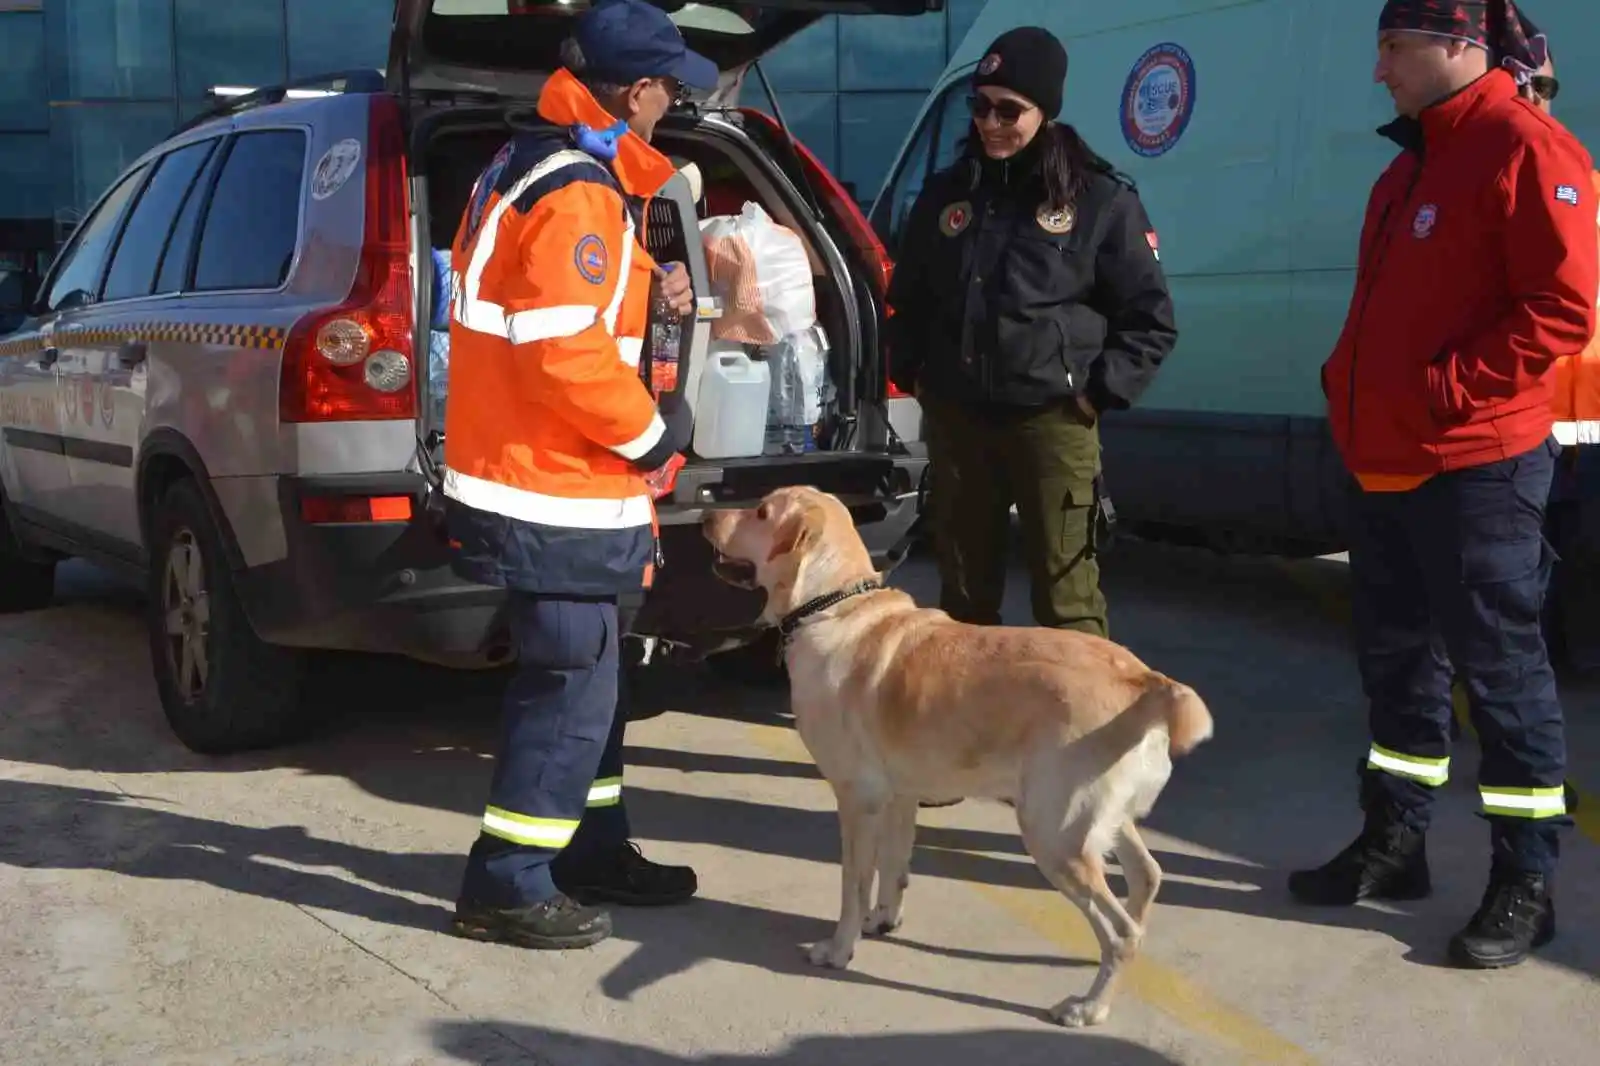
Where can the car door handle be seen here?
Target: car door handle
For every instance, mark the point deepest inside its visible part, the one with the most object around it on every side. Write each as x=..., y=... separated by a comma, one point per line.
x=48, y=357
x=132, y=353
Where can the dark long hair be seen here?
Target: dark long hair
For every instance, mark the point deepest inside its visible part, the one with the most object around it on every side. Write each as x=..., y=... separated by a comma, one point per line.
x=1066, y=163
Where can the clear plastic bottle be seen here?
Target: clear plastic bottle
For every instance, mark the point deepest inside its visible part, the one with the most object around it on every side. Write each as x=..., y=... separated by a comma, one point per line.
x=786, y=412
x=666, y=333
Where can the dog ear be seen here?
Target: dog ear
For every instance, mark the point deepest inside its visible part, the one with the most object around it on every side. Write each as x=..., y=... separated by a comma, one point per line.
x=794, y=536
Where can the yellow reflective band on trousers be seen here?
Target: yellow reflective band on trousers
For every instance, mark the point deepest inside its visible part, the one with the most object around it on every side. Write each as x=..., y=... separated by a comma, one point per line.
x=605, y=792
x=1524, y=802
x=1417, y=767
x=554, y=833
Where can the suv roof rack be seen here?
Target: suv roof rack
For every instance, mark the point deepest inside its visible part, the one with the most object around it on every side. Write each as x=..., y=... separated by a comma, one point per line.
x=361, y=80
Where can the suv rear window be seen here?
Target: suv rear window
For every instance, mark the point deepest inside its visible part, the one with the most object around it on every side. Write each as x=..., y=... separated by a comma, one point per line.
x=252, y=227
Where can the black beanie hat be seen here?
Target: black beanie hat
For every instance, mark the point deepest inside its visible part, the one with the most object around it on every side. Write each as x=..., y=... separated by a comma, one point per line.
x=1028, y=60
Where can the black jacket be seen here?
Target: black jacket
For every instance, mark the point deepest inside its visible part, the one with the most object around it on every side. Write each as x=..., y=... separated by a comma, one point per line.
x=992, y=307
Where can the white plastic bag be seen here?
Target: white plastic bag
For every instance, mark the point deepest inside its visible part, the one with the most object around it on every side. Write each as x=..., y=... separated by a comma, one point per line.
x=763, y=275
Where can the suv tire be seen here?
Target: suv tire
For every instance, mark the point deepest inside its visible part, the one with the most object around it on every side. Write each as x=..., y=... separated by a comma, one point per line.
x=25, y=584
x=222, y=688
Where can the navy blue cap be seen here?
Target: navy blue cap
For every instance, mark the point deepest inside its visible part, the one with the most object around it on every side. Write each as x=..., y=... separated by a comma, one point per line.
x=625, y=40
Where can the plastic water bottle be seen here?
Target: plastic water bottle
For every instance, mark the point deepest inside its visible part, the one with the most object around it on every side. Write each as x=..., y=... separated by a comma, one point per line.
x=666, y=333
x=786, y=411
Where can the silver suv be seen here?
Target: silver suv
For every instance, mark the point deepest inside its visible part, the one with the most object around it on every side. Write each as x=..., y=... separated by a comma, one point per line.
x=221, y=388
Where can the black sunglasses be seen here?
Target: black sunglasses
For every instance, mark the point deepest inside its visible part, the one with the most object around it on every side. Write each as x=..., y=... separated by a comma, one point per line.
x=1007, y=111
x=1544, y=86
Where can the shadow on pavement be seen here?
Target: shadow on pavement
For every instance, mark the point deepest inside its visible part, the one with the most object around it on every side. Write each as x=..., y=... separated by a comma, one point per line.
x=509, y=1044
x=1275, y=789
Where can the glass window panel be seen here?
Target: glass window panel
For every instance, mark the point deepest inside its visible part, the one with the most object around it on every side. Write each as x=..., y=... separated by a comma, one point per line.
x=91, y=144
x=24, y=95
x=891, y=51
x=79, y=277
x=25, y=175
x=326, y=36
x=238, y=43
x=100, y=49
x=871, y=127
x=938, y=138
x=175, y=260
x=133, y=265
x=808, y=61
x=253, y=224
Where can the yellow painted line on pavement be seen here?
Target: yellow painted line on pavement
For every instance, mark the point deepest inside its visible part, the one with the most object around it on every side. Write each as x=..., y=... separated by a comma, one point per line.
x=1047, y=913
x=1335, y=603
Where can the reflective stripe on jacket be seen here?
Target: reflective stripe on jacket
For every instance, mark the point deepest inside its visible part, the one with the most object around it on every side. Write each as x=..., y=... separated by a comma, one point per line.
x=1576, y=402
x=549, y=428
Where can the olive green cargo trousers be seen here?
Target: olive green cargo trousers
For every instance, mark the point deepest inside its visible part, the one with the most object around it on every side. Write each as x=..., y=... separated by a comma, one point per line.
x=1046, y=461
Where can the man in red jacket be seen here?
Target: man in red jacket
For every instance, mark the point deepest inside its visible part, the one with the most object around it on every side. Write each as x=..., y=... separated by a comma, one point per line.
x=1478, y=268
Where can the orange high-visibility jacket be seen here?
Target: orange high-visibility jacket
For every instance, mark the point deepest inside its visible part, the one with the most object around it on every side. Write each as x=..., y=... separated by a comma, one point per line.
x=549, y=428
x=1576, y=403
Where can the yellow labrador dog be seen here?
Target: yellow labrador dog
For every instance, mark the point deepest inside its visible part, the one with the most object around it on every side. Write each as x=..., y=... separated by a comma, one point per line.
x=898, y=703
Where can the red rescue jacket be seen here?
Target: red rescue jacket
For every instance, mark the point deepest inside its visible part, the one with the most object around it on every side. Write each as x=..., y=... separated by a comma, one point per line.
x=1478, y=268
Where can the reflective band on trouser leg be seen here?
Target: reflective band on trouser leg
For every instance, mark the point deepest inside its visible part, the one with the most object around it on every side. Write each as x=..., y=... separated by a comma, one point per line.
x=1524, y=802
x=1421, y=768
x=552, y=833
x=605, y=792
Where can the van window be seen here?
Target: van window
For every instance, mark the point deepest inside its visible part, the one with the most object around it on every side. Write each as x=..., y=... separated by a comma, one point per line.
x=77, y=278
x=934, y=148
x=133, y=267
x=252, y=228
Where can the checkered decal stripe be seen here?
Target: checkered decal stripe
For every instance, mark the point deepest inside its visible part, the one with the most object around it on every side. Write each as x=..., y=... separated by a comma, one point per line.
x=225, y=336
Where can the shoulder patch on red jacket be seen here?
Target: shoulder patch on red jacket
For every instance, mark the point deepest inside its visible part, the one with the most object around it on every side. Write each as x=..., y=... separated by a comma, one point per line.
x=1567, y=194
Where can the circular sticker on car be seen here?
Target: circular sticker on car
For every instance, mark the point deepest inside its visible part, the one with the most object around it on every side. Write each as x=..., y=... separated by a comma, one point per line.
x=335, y=168
x=1158, y=99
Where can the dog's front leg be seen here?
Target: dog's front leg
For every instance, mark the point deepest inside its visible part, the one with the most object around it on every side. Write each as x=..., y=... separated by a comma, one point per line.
x=858, y=832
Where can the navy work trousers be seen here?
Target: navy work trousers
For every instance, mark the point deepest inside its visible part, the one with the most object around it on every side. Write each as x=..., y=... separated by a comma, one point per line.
x=1453, y=574
x=557, y=786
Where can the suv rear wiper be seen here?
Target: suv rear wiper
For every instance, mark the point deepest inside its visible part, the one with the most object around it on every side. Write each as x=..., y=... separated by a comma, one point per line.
x=806, y=189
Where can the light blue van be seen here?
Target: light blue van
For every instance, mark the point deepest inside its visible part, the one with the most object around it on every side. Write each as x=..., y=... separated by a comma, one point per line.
x=1250, y=130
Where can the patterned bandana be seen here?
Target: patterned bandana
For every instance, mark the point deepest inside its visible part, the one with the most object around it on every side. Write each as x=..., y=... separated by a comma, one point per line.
x=1495, y=25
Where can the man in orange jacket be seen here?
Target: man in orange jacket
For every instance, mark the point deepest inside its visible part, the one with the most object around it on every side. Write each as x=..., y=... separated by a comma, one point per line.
x=553, y=437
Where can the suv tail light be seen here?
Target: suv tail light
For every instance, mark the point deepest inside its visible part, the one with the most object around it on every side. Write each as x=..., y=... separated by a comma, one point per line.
x=837, y=199
x=356, y=361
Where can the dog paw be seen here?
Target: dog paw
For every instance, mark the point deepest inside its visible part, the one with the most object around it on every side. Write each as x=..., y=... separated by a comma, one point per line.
x=880, y=922
x=826, y=953
x=1079, y=1012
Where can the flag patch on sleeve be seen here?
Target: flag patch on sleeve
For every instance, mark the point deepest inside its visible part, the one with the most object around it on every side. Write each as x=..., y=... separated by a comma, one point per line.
x=1567, y=194
x=1154, y=243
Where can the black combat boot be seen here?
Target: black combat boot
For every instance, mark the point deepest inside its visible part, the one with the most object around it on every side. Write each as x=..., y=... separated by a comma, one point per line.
x=1389, y=860
x=552, y=924
x=623, y=875
x=1517, y=915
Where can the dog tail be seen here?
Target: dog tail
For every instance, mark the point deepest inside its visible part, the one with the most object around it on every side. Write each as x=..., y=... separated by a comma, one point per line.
x=1173, y=705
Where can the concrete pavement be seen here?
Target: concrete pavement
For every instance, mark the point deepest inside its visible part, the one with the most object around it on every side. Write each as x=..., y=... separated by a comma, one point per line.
x=157, y=907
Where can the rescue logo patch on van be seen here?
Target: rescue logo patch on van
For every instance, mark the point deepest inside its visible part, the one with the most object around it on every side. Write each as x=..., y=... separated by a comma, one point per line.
x=1567, y=194
x=1158, y=99
x=955, y=217
x=591, y=258
x=1422, y=225
x=1053, y=221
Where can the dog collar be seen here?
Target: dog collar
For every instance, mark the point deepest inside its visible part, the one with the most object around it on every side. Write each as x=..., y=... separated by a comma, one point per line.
x=813, y=607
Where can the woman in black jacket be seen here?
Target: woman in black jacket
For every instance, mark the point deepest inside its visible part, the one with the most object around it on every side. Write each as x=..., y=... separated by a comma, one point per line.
x=1028, y=298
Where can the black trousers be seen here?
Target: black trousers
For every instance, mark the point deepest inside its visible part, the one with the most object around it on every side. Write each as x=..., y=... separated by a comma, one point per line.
x=1453, y=574
x=557, y=785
